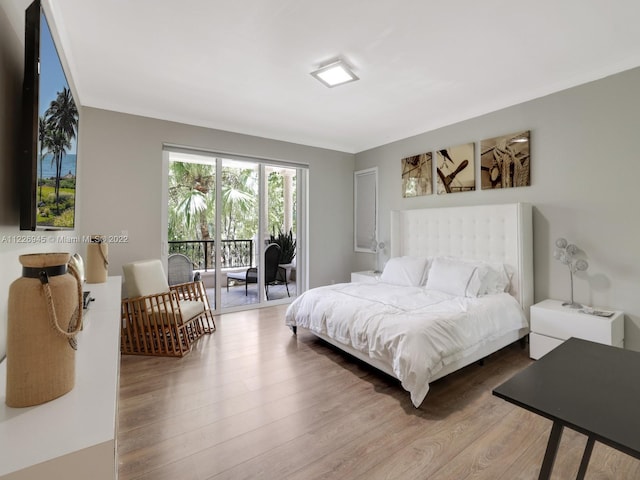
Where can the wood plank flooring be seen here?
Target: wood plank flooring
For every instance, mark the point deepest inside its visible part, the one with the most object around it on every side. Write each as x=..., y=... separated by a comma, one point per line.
x=254, y=401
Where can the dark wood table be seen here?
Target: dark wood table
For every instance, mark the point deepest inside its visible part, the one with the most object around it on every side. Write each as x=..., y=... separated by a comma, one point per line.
x=588, y=387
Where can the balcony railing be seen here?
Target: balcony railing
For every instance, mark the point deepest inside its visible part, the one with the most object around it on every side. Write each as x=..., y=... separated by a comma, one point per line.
x=234, y=253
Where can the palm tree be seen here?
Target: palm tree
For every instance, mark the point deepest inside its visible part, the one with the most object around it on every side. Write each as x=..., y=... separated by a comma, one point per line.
x=191, y=198
x=62, y=112
x=239, y=191
x=62, y=120
x=59, y=146
x=46, y=145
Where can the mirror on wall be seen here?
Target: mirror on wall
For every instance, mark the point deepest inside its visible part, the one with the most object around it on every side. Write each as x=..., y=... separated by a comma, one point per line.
x=365, y=190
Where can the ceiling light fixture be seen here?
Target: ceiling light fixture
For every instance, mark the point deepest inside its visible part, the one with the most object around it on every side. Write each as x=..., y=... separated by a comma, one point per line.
x=335, y=73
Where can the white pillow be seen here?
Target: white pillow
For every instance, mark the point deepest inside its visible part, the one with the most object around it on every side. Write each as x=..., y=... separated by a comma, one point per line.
x=405, y=271
x=497, y=279
x=455, y=277
x=489, y=277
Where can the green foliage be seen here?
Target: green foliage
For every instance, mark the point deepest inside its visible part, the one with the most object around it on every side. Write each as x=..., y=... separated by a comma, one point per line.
x=67, y=183
x=191, y=212
x=239, y=203
x=287, y=245
x=56, y=211
x=276, y=195
x=65, y=219
x=191, y=201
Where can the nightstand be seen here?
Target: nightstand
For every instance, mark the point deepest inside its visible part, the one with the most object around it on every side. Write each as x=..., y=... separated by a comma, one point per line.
x=552, y=324
x=367, y=276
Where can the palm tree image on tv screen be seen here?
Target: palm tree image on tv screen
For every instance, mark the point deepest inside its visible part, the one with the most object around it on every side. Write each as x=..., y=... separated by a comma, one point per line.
x=57, y=134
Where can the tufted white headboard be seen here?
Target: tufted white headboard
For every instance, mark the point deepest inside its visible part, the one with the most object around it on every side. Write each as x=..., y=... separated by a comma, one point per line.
x=499, y=233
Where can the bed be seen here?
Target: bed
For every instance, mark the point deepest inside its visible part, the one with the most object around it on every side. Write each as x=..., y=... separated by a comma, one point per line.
x=457, y=287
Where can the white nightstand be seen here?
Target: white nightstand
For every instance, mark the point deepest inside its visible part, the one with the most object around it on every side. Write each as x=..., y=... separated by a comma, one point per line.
x=367, y=276
x=552, y=324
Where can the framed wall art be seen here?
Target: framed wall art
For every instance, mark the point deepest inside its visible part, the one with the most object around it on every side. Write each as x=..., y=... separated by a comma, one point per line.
x=505, y=161
x=417, y=177
x=456, y=171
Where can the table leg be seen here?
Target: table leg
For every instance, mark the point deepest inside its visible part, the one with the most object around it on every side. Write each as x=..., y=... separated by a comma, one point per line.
x=550, y=453
x=585, y=459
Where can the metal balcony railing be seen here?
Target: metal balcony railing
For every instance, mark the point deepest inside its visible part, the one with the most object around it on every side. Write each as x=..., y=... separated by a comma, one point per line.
x=234, y=253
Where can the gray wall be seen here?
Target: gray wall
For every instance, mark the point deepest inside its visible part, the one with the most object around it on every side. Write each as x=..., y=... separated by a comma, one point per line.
x=585, y=170
x=122, y=177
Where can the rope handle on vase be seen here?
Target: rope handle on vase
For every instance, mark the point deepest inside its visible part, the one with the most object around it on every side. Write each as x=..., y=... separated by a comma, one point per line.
x=100, y=241
x=75, y=324
x=103, y=255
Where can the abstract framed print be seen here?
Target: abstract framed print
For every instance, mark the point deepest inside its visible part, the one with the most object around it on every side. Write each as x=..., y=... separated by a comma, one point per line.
x=456, y=171
x=505, y=161
x=417, y=178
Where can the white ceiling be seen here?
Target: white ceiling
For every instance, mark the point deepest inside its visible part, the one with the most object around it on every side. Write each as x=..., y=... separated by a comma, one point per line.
x=243, y=66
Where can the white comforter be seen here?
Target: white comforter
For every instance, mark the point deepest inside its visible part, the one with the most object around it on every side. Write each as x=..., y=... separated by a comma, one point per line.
x=413, y=330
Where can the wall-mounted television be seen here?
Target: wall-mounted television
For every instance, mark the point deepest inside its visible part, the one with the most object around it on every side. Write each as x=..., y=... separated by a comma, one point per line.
x=50, y=132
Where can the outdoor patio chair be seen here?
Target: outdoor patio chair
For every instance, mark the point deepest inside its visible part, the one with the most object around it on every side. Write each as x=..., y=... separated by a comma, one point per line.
x=158, y=319
x=180, y=269
x=274, y=274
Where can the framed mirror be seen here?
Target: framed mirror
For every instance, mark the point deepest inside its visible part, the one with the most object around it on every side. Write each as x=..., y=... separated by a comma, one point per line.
x=365, y=215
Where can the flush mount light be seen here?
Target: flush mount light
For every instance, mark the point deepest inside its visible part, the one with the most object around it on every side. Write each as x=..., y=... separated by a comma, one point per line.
x=335, y=73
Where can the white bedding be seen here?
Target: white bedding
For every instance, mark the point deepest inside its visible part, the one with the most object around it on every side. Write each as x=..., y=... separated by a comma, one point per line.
x=414, y=330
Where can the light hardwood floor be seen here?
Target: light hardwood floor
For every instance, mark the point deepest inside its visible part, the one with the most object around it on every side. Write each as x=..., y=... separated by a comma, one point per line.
x=253, y=401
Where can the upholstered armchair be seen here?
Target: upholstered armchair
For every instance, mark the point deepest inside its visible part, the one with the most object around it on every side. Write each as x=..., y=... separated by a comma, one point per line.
x=158, y=319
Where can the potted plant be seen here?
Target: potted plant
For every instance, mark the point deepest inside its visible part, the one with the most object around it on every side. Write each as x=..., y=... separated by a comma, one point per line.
x=287, y=246
x=287, y=252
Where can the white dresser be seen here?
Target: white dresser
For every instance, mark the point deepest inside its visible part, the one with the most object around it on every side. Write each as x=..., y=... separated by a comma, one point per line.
x=74, y=436
x=552, y=324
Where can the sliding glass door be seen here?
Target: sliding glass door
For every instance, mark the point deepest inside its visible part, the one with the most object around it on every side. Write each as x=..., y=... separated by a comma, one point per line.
x=239, y=232
x=238, y=221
